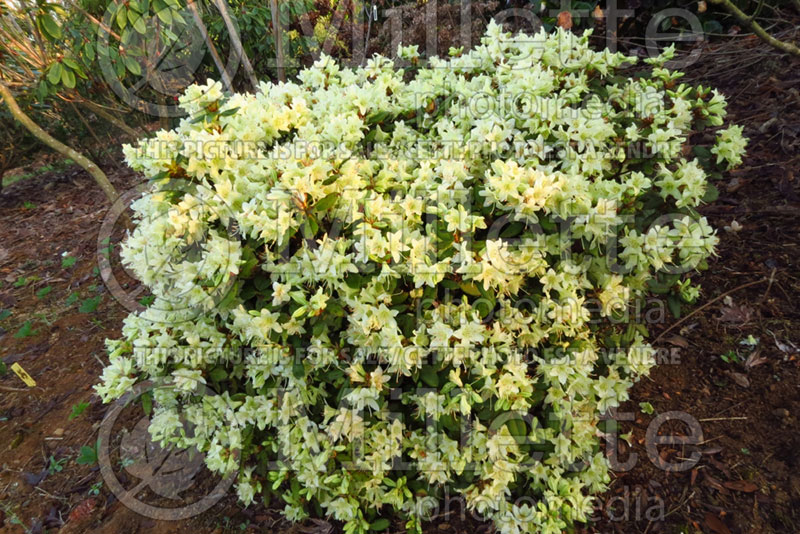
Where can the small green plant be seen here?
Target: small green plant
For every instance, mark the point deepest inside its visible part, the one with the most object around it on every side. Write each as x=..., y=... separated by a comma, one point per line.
x=28, y=205
x=647, y=408
x=96, y=487
x=25, y=330
x=4, y=314
x=3, y=368
x=56, y=466
x=21, y=282
x=42, y=293
x=88, y=454
x=90, y=305
x=72, y=299
x=731, y=357
x=77, y=410
x=68, y=261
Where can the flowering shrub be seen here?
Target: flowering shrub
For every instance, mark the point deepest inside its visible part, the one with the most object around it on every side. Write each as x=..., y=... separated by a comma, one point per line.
x=404, y=281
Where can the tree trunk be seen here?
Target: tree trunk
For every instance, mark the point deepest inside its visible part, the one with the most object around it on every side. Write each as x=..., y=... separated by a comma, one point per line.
x=277, y=34
x=198, y=20
x=236, y=42
x=37, y=131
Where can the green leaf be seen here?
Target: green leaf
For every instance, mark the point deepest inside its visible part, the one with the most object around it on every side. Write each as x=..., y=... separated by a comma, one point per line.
x=54, y=74
x=90, y=305
x=147, y=403
x=165, y=15
x=71, y=63
x=50, y=26
x=429, y=376
x=88, y=51
x=42, y=293
x=229, y=112
x=712, y=193
x=68, y=78
x=25, y=330
x=310, y=227
x=518, y=429
x=139, y=25
x=132, y=65
x=674, y=305
x=4, y=314
x=326, y=202
x=122, y=17
x=379, y=524
x=77, y=410
x=72, y=299
x=68, y=261
x=513, y=230
x=470, y=289
x=41, y=91
x=660, y=288
x=88, y=456
x=3, y=368
x=298, y=369
x=218, y=374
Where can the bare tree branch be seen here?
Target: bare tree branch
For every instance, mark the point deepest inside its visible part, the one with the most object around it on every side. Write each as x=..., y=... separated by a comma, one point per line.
x=226, y=78
x=276, y=35
x=37, y=131
x=756, y=27
x=236, y=42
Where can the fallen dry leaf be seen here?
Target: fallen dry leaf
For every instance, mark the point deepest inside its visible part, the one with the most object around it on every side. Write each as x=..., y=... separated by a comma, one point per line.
x=786, y=348
x=735, y=184
x=678, y=341
x=715, y=523
x=712, y=482
x=736, y=314
x=755, y=359
x=745, y=486
x=739, y=378
x=82, y=511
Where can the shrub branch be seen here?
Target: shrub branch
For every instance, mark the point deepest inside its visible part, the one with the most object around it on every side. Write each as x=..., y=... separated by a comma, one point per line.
x=37, y=131
x=750, y=22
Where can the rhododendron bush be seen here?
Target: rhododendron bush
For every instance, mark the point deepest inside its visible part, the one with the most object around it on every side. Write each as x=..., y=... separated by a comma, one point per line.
x=375, y=285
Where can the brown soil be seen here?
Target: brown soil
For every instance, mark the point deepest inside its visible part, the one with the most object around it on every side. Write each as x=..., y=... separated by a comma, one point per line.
x=745, y=481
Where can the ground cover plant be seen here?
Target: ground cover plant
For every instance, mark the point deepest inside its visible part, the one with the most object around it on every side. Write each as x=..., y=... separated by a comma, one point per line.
x=373, y=285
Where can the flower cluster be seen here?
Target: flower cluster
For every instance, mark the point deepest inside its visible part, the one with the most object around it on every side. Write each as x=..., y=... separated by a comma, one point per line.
x=378, y=327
